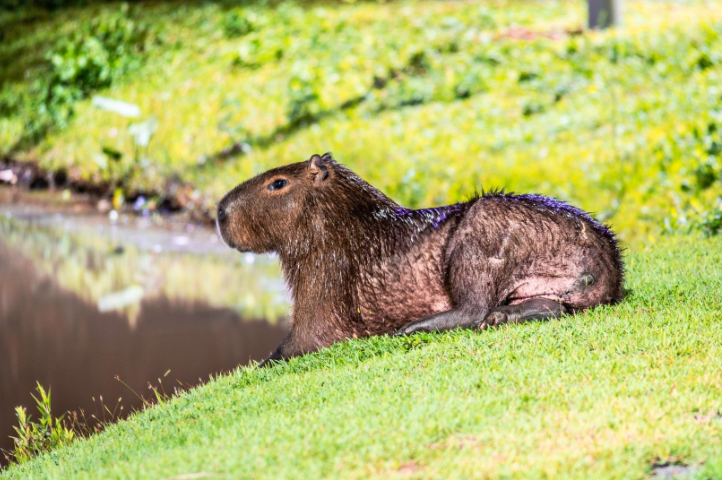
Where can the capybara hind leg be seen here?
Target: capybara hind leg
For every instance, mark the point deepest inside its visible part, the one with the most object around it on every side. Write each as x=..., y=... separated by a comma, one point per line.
x=440, y=322
x=532, y=309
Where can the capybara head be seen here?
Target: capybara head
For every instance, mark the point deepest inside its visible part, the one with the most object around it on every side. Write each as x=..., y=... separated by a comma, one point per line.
x=261, y=214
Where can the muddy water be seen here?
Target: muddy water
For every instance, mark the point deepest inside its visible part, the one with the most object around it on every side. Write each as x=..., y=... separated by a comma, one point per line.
x=84, y=298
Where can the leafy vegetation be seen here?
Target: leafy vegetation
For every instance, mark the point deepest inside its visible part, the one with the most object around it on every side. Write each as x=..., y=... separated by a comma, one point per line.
x=52, y=432
x=48, y=433
x=605, y=394
x=429, y=101
x=89, y=60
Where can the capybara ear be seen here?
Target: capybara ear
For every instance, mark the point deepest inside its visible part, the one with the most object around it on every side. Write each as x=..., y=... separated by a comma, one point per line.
x=318, y=168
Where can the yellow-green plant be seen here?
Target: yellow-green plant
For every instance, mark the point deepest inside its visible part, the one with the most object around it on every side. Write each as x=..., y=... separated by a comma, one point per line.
x=45, y=434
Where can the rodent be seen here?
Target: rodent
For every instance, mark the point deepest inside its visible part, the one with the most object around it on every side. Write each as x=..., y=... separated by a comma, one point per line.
x=359, y=264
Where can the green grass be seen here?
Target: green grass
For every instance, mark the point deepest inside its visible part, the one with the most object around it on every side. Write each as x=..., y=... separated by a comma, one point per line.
x=624, y=123
x=600, y=395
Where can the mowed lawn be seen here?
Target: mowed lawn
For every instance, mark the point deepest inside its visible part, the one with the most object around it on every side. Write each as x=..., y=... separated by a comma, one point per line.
x=605, y=394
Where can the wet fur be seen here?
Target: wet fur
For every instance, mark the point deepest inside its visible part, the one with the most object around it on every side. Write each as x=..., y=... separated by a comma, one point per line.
x=358, y=264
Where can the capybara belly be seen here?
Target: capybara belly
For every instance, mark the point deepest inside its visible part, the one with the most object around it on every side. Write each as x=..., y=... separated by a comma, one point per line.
x=553, y=288
x=394, y=300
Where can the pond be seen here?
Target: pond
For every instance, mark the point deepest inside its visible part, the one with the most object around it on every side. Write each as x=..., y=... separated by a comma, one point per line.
x=86, y=297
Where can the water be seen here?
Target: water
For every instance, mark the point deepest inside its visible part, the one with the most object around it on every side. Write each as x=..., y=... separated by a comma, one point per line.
x=83, y=299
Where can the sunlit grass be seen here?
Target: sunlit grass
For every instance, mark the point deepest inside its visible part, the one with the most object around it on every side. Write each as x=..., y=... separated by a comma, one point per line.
x=612, y=121
x=604, y=394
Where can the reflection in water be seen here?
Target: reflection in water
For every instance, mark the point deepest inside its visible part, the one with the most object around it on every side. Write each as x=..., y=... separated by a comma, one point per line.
x=104, y=266
x=76, y=309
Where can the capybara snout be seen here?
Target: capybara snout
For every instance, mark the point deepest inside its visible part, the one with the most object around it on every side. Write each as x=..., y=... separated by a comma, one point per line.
x=258, y=214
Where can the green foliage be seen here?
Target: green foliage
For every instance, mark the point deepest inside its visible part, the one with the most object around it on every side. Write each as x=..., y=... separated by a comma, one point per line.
x=463, y=95
x=93, y=57
x=712, y=223
x=48, y=433
x=49, y=4
x=698, y=202
x=304, y=104
x=237, y=24
x=90, y=59
x=603, y=394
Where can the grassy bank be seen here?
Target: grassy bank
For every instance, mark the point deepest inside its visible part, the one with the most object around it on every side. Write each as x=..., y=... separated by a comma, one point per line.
x=605, y=394
x=429, y=101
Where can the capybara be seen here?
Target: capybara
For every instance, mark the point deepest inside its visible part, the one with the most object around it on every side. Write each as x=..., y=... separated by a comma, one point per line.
x=359, y=264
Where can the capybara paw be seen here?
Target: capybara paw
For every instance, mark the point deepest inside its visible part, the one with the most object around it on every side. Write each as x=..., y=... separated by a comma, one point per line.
x=405, y=330
x=495, y=318
x=481, y=325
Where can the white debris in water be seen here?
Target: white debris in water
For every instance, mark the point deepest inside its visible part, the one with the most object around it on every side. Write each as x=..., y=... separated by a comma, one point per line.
x=104, y=205
x=181, y=240
x=122, y=299
x=8, y=176
x=249, y=258
x=113, y=216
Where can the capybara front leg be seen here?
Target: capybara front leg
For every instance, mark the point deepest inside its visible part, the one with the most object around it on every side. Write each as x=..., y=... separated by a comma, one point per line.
x=532, y=309
x=275, y=356
x=284, y=351
x=291, y=346
x=449, y=320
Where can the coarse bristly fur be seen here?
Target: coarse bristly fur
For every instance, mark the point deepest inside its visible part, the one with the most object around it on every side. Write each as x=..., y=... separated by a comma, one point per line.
x=359, y=264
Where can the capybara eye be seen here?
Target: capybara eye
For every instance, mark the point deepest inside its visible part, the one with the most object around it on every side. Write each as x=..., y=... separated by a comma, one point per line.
x=278, y=184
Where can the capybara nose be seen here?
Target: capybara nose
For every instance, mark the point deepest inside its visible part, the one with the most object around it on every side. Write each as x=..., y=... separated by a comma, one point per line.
x=221, y=215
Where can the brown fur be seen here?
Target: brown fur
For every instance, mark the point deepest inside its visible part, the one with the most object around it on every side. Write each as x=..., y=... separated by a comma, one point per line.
x=359, y=264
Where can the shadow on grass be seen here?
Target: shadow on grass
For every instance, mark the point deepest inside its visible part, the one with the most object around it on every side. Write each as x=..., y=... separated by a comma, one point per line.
x=414, y=68
x=353, y=352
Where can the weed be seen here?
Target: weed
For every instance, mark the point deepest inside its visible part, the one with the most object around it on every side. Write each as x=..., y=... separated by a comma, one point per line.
x=50, y=432
x=44, y=435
